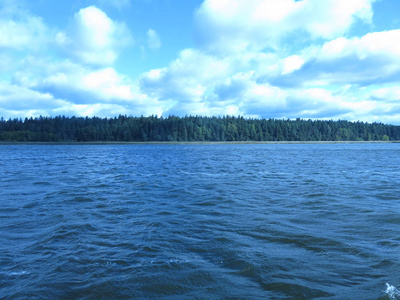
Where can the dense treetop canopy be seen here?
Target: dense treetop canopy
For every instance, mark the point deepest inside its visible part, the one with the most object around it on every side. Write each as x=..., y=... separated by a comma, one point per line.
x=190, y=128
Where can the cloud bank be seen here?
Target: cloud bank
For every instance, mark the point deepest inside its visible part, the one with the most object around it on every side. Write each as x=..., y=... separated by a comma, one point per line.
x=93, y=38
x=263, y=58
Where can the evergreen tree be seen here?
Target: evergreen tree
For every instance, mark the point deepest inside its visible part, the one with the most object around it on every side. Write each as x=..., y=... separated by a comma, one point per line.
x=189, y=128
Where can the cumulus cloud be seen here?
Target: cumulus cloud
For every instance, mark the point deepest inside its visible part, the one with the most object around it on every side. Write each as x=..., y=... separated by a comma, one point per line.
x=18, y=101
x=388, y=94
x=82, y=90
x=19, y=30
x=78, y=84
x=198, y=83
x=225, y=26
x=20, y=35
x=186, y=79
x=93, y=38
x=370, y=59
x=385, y=43
x=244, y=64
x=17, y=98
x=257, y=99
x=82, y=81
x=331, y=18
x=323, y=81
x=153, y=40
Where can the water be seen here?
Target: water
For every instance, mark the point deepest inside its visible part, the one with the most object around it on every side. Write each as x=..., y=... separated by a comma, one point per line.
x=281, y=221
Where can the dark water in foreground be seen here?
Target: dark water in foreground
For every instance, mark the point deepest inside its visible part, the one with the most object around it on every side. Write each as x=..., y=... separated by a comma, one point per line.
x=308, y=221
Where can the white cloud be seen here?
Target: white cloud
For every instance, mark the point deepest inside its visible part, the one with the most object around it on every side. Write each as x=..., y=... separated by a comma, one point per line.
x=19, y=30
x=292, y=63
x=186, y=79
x=370, y=59
x=153, y=40
x=316, y=103
x=19, y=99
x=258, y=99
x=244, y=64
x=224, y=26
x=93, y=38
x=198, y=83
x=85, y=85
x=330, y=18
x=22, y=35
x=388, y=94
x=323, y=85
x=386, y=43
x=83, y=90
x=68, y=80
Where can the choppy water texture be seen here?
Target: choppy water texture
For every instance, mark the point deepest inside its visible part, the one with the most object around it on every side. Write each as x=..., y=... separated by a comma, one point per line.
x=307, y=221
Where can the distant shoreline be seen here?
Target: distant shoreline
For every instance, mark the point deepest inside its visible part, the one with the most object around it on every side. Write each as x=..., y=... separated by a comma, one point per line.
x=198, y=143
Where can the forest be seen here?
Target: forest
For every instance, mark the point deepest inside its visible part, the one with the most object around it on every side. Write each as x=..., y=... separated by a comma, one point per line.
x=189, y=128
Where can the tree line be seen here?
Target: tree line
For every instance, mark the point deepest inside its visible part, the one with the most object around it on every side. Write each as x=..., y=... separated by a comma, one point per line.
x=189, y=128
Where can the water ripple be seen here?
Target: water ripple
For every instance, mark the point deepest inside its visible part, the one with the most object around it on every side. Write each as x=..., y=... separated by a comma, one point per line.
x=199, y=222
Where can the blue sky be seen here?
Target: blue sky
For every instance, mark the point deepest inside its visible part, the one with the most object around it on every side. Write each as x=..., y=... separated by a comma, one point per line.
x=311, y=59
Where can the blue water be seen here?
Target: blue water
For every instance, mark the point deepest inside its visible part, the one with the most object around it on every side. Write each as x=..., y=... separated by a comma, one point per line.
x=275, y=221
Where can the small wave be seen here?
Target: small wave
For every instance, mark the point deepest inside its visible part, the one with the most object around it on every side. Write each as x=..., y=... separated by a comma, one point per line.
x=31, y=205
x=392, y=292
x=295, y=291
x=17, y=273
x=205, y=174
x=315, y=195
x=81, y=199
x=42, y=183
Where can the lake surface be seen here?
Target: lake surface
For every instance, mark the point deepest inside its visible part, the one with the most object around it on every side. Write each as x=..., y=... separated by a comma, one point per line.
x=270, y=221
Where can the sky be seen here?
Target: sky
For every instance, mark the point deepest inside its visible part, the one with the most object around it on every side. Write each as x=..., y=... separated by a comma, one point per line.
x=308, y=59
